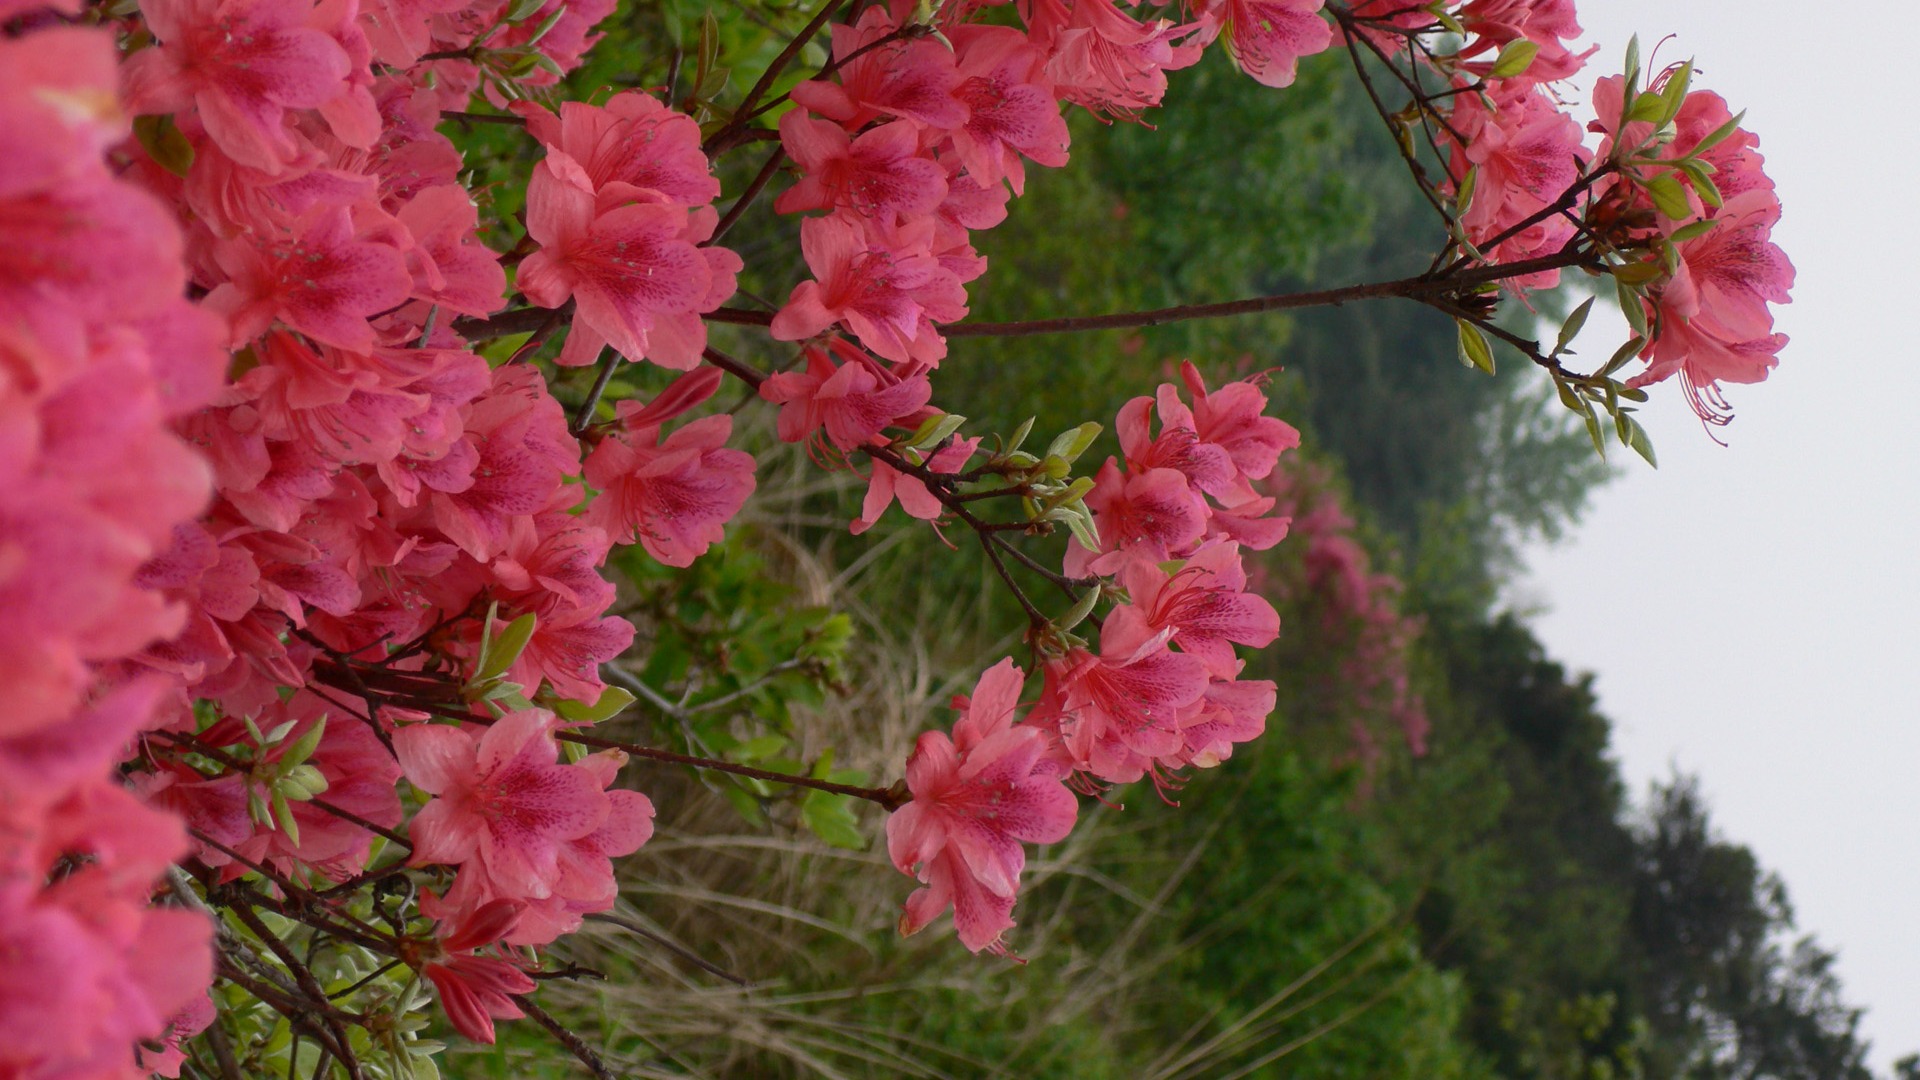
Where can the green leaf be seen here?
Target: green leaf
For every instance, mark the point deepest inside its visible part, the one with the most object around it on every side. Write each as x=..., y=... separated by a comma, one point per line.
x=1674, y=94
x=1643, y=445
x=1571, y=328
x=830, y=817
x=524, y=9
x=283, y=817
x=508, y=647
x=163, y=143
x=758, y=748
x=303, y=748
x=1669, y=197
x=744, y=804
x=1474, y=350
x=1647, y=109
x=1623, y=354
x=934, y=429
x=1719, y=134
x=1687, y=232
x=1070, y=444
x=1514, y=59
x=1019, y=438
x=1083, y=529
x=1463, y=199
x=612, y=700
x=1080, y=610
x=1631, y=307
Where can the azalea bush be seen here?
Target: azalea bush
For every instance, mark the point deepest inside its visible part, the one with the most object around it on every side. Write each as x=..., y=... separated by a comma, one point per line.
x=320, y=437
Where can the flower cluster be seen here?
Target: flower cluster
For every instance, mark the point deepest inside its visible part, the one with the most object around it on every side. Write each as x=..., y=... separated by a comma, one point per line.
x=1674, y=186
x=98, y=351
x=1162, y=691
x=311, y=543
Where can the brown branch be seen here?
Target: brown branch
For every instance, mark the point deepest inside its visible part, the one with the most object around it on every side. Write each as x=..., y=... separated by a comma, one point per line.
x=720, y=139
x=671, y=946
x=574, y=1044
x=893, y=798
x=754, y=188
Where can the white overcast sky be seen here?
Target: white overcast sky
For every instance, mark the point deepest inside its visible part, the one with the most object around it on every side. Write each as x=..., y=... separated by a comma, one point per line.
x=1751, y=611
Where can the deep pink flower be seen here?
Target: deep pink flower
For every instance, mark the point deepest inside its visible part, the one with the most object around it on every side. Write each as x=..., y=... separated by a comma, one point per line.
x=450, y=266
x=912, y=79
x=1153, y=515
x=504, y=808
x=629, y=258
x=887, y=484
x=1266, y=38
x=1231, y=712
x=885, y=285
x=881, y=174
x=323, y=277
x=632, y=139
x=1104, y=60
x=244, y=64
x=1012, y=111
x=1120, y=714
x=674, y=496
x=58, y=107
x=1714, y=324
x=976, y=798
x=1203, y=607
x=852, y=402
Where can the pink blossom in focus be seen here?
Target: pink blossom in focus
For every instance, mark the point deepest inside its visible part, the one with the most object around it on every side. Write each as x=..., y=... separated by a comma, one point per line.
x=977, y=797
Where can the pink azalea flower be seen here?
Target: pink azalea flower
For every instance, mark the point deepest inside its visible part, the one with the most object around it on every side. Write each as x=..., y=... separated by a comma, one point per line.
x=244, y=64
x=881, y=174
x=1120, y=714
x=632, y=139
x=888, y=484
x=504, y=810
x=1012, y=111
x=326, y=283
x=450, y=266
x=1714, y=322
x=1266, y=38
x=912, y=79
x=852, y=402
x=885, y=285
x=58, y=107
x=632, y=264
x=1105, y=61
x=1153, y=515
x=976, y=798
x=475, y=990
x=1550, y=24
x=1525, y=152
x=1203, y=608
x=1230, y=712
x=674, y=496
